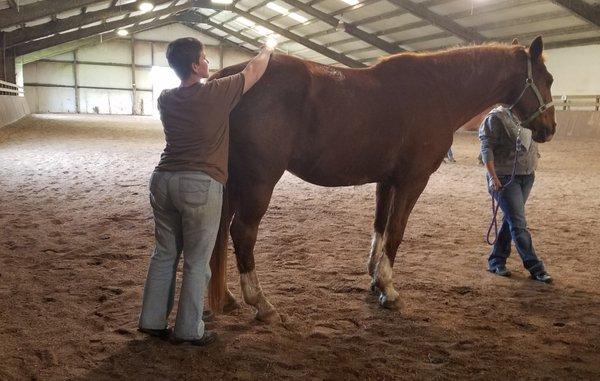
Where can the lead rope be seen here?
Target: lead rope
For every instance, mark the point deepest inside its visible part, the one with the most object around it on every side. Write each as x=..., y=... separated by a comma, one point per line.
x=496, y=206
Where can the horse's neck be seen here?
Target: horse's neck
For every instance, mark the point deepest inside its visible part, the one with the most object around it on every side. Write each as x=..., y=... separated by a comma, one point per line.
x=471, y=83
x=462, y=84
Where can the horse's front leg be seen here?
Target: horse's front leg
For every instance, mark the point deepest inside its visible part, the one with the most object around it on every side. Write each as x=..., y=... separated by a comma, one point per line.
x=402, y=202
x=254, y=202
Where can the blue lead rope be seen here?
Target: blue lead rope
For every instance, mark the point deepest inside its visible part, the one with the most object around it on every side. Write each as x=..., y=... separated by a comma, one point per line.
x=496, y=206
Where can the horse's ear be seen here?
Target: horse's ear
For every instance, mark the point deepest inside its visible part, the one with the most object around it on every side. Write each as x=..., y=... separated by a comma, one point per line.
x=536, y=48
x=515, y=41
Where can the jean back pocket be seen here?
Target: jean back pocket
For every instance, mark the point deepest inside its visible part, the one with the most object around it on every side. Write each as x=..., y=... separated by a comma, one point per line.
x=194, y=191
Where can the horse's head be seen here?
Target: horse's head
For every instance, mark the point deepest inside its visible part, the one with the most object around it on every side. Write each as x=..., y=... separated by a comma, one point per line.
x=532, y=97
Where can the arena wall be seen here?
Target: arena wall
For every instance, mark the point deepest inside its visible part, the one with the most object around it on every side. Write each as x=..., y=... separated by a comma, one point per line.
x=12, y=108
x=99, y=78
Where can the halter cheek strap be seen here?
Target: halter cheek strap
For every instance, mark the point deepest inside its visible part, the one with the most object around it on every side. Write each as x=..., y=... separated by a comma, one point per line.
x=529, y=84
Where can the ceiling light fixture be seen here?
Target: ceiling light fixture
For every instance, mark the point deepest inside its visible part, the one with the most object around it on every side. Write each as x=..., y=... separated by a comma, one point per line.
x=277, y=8
x=146, y=6
x=297, y=17
x=122, y=32
x=245, y=22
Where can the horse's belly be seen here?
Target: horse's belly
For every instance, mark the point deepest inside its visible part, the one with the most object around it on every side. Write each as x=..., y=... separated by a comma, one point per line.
x=336, y=172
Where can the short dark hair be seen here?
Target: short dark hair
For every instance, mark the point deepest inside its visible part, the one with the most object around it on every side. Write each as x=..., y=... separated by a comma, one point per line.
x=182, y=53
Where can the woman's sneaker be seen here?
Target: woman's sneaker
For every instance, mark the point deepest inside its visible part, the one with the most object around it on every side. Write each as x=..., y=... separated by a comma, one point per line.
x=542, y=276
x=500, y=270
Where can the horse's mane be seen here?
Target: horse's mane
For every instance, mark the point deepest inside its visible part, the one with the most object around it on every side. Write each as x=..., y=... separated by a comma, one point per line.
x=490, y=47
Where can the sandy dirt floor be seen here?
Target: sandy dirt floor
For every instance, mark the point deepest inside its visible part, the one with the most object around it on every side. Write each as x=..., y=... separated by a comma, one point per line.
x=76, y=233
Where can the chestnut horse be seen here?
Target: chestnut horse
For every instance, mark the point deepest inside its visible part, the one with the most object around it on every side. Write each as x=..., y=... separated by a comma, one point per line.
x=389, y=124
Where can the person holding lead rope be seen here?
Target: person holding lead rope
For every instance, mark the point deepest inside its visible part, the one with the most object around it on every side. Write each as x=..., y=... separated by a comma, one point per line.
x=510, y=156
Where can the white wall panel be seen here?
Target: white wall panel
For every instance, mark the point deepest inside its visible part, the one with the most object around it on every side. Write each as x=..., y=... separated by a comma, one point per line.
x=63, y=57
x=50, y=99
x=113, y=51
x=143, y=80
x=143, y=53
x=105, y=101
x=172, y=32
x=160, y=51
x=104, y=76
x=576, y=70
x=55, y=73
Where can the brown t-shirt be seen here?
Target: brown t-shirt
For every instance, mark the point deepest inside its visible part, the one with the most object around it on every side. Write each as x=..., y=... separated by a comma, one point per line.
x=196, y=124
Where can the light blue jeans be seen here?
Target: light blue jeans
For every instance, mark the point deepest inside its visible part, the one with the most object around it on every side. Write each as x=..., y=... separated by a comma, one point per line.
x=512, y=199
x=187, y=210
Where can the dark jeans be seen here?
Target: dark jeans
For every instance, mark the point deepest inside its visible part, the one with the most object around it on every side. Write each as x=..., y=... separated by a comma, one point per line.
x=512, y=199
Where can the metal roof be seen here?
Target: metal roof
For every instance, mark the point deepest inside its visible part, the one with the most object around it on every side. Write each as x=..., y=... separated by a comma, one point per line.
x=349, y=32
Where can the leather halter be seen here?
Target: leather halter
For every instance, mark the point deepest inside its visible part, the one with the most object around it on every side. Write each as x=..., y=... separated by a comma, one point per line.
x=529, y=84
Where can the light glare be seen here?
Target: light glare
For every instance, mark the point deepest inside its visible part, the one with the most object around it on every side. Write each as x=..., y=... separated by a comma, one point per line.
x=146, y=6
x=271, y=42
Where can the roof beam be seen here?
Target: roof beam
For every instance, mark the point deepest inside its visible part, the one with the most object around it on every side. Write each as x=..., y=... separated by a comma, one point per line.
x=102, y=28
x=38, y=10
x=582, y=9
x=22, y=35
x=13, y=4
x=196, y=18
x=341, y=58
x=569, y=43
x=439, y=21
x=224, y=40
x=96, y=39
x=348, y=28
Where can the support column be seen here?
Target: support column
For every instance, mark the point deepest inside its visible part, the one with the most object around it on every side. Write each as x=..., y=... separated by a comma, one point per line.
x=76, y=80
x=133, y=84
x=8, y=69
x=221, y=55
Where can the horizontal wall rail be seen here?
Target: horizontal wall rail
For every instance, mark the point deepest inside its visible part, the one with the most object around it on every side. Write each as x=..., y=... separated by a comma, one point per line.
x=7, y=88
x=577, y=102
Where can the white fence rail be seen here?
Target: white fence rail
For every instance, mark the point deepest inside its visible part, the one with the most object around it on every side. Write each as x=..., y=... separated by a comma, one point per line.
x=577, y=102
x=7, y=88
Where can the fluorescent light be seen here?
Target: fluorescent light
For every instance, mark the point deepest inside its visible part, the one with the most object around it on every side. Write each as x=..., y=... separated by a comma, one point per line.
x=244, y=21
x=146, y=6
x=122, y=32
x=297, y=17
x=226, y=2
x=277, y=8
x=350, y=2
x=262, y=30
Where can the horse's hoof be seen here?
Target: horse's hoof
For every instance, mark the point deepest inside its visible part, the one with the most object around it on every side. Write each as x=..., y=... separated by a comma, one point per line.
x=268, y=316
x=390, y=304
x=374, y=288
x=231, y=306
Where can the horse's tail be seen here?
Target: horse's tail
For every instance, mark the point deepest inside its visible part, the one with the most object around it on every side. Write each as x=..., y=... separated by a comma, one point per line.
x=217, y=287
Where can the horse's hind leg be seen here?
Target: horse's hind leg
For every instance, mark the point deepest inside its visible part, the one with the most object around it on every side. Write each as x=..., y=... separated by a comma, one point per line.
x=382, y=198
x=253, y=203
x=402, y=203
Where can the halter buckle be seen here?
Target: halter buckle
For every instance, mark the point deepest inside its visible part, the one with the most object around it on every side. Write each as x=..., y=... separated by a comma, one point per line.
x=529, y=81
